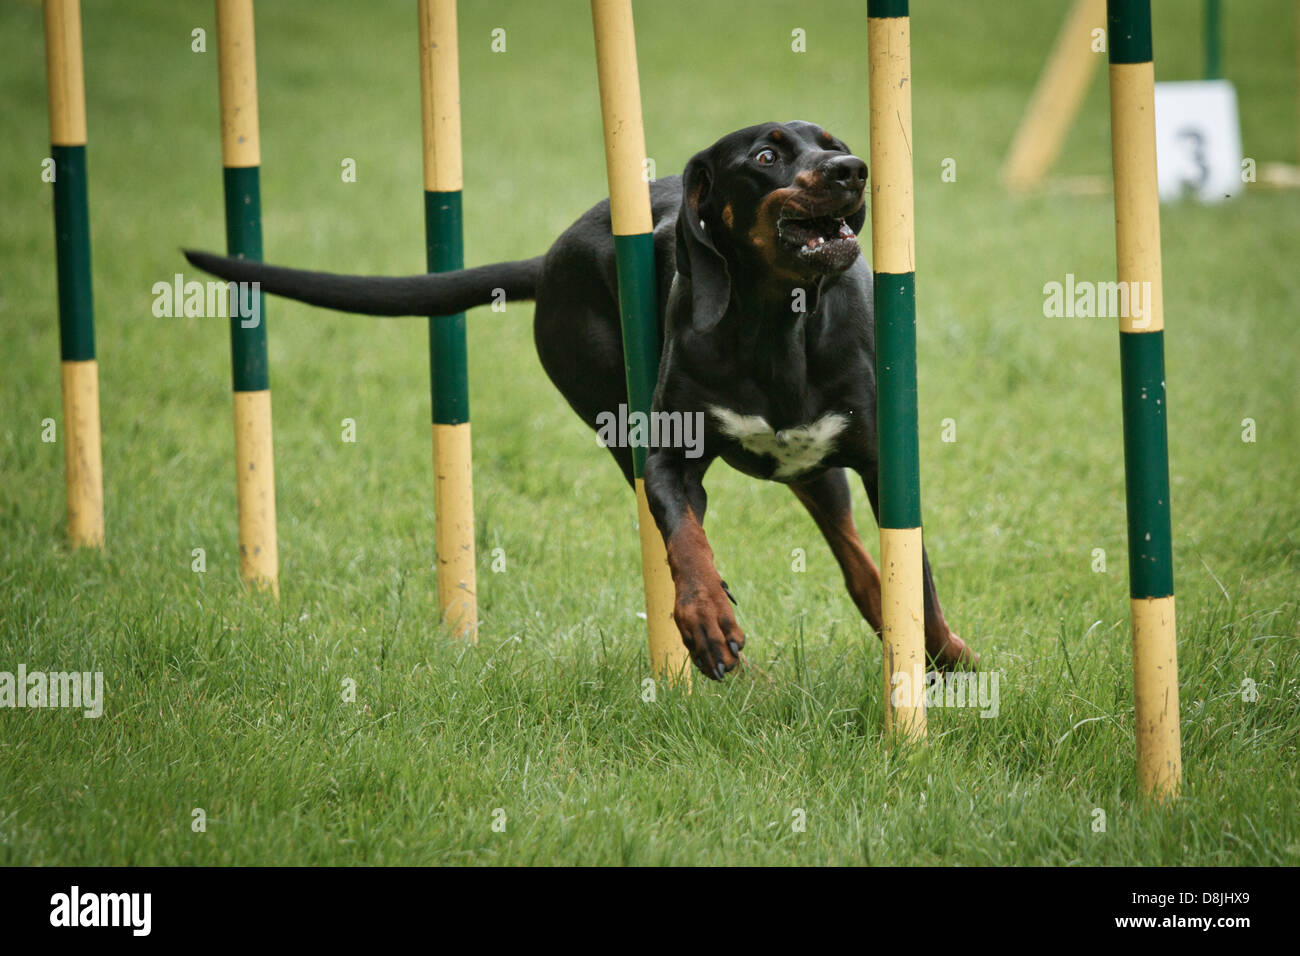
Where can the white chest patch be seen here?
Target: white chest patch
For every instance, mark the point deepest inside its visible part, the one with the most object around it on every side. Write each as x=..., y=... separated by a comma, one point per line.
x=796, y=450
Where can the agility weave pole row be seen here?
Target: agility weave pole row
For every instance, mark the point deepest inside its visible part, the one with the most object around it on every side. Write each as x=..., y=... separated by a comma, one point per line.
x=893, y=254
x=254, y=452
x=453, y=484
x=1142, y=373
x=83, y=461
x=629, y=202
x=241, y=158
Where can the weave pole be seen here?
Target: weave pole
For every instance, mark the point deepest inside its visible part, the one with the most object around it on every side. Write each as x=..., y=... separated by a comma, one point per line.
x=241, y=157
x=83, y=462
x=893, y=255
x=453, y=470
x=629, y=200
x=1213, y=41
x=1142, y=373
x=1056, y=99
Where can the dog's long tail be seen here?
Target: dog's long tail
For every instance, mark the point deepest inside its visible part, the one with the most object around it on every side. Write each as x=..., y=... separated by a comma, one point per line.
x=442, y=293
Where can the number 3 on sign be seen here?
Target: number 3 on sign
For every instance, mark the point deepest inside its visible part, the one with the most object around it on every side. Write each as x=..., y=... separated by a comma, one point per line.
x=1198, y=140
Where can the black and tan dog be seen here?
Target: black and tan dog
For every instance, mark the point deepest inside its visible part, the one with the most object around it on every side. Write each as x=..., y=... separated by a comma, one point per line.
x=765, y=306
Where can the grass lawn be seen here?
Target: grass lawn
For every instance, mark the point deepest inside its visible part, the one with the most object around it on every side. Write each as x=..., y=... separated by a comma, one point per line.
x=231, y=703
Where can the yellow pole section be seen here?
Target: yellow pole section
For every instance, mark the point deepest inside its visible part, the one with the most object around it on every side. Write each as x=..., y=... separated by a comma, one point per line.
x=1137, y=203
x=1155, y=696
x=893, y=232
x=237, y=77
x=440, y=95
x=82, y=458
x=902, y=611
x=64, y=72
x=259, y=557
x=1057, y=97
x=453, y=507
x=620, y=112
x=668, y=656
x=629, y=192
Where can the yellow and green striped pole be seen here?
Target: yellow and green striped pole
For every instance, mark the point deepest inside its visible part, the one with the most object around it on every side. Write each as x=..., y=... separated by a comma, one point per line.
x=241, y=157
x=453, y=471
x=893, y=255
x=84, y=469
x=1142, y=372
x=629, y=200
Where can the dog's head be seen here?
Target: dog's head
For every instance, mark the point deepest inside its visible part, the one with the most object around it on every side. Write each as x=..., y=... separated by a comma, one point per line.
x=785, y=199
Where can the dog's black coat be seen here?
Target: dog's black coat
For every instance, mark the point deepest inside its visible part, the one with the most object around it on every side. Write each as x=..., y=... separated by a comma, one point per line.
x=753, y=229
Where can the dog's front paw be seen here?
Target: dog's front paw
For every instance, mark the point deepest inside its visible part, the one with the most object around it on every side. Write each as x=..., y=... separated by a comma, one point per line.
x=709, y=629
x=952, y=653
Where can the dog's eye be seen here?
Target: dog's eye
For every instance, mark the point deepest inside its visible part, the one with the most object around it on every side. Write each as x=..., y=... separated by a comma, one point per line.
x=765, y=157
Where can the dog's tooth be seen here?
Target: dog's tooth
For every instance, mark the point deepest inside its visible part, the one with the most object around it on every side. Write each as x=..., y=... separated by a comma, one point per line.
x=845, y=231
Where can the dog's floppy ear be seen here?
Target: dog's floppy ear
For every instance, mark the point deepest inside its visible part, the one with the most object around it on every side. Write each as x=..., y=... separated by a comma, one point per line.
x=698, y=258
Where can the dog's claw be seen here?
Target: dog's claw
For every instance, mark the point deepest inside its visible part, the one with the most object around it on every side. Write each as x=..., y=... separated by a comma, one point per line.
x=730, y=597
x=708, y=628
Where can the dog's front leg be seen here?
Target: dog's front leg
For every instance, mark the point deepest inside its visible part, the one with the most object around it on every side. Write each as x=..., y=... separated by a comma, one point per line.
x=675, y=491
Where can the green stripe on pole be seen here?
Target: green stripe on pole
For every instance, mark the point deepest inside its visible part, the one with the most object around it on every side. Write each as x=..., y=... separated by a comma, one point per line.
x=900, y=468
x=635, y=256
x=1128, y=30
x=72, y=250
x=1146, y=461
x=448, y=356
x=1213, y=69
x=886, y=8
x=244, y=239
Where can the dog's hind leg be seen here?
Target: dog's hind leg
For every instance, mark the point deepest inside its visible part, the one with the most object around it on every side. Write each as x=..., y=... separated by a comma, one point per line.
x=582, y=353
x=942, y=645
x=827, y=499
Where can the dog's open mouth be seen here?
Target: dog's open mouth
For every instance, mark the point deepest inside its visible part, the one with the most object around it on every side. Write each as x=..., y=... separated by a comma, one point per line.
x=819, y=238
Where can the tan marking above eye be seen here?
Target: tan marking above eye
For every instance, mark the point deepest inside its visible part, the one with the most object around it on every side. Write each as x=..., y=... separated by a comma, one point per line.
x=728, y=215
x=777, y=135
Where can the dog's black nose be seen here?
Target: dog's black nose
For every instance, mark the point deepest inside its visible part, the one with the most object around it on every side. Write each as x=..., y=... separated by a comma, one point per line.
x=848, y=171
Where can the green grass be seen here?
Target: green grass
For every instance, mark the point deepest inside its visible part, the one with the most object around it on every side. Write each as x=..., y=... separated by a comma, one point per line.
x=229, y=702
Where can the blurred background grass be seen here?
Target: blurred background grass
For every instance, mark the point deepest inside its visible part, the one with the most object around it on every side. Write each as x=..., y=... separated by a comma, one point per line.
x=218, y=699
